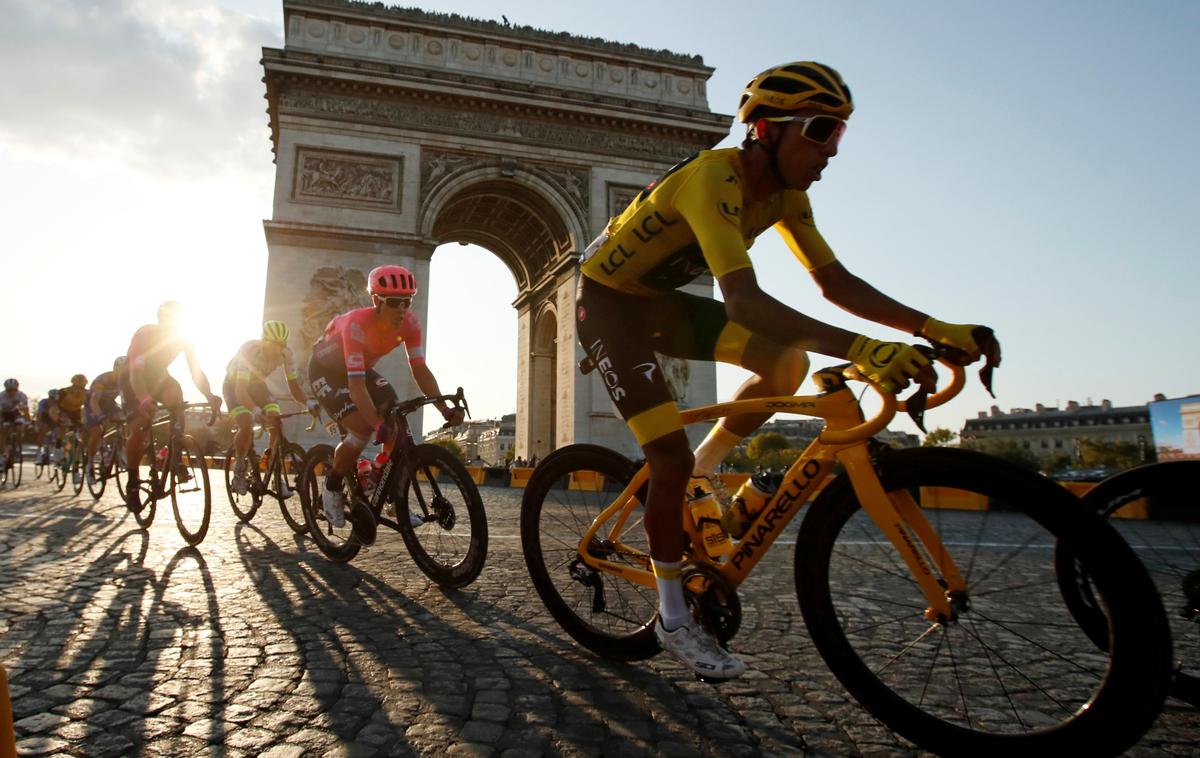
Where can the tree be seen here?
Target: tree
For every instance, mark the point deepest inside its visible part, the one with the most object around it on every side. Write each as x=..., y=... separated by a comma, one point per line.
x=939, y=437
x=1108, y=455
x=764, y=443
x=452, y=446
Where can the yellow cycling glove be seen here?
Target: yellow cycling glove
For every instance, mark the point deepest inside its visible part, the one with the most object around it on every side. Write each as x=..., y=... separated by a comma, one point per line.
x=891, y=364
x=963, y=337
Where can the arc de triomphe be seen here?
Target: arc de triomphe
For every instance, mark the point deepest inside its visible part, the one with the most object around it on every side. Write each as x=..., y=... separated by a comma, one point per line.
x=396, y=130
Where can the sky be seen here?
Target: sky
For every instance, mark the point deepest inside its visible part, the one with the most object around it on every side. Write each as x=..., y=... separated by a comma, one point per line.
x=1027, y=165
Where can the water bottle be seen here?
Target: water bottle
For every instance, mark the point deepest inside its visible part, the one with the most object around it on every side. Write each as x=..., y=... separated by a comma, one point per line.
x=264, y=460
x=747, y=503
x=161, y=459
x=707, y=514
x=366, y=477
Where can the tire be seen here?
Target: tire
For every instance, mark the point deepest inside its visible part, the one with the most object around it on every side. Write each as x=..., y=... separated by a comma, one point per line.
x=1013, y=673
x=244, y=506
x=78, y=470
x=62, y=472
x=451, y=546
x=149, y=485
x=606, y=614
x=191, y=496
x=292, y=507
x=99, y=466
x=1168, y=544
x=333, y=542
x=16, y=465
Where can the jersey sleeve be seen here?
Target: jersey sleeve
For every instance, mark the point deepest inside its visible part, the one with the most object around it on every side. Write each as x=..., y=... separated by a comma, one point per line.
x=410, y=332
x=354, y=338
x=799, y=231
x=710, y=200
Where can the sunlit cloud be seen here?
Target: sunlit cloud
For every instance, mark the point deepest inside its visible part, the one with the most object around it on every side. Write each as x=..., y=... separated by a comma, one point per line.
x=165, y=87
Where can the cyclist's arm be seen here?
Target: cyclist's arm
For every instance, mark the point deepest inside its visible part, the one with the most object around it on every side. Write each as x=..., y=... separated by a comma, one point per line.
x=198, y=377
x=293, y=376
x=852, y=294
x=429, y=388
x=748, y=305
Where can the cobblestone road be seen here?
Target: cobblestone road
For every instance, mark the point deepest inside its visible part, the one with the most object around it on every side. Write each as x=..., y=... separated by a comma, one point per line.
x=121, y=641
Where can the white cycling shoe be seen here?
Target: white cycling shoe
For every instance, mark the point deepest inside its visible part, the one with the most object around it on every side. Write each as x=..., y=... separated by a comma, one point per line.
x=693, y=645
x=334, y=505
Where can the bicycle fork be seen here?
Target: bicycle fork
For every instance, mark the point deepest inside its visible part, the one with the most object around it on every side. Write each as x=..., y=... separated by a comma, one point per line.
x=900, y=518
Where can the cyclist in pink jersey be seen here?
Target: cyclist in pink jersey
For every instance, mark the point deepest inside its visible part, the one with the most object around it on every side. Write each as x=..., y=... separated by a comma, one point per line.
x=145, y=383
x=343, y=377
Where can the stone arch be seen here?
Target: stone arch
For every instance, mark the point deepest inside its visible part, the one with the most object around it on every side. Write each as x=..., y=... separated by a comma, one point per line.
x=396, y=129
x=520, y=218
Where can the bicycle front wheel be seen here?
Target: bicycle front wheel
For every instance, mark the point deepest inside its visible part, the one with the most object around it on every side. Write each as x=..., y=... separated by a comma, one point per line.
x=246, y=504
x=97, y=468
x=1154, y=508
x=191, y=498
x=289, y=489
x=334, y=542
x=142, y=498
x=1013, y=672
x=441, y=517
x=77, y=467
x=608, y=615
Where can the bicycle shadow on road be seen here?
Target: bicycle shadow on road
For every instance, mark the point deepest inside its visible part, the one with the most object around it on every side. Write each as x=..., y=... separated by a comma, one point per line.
x=121, y=657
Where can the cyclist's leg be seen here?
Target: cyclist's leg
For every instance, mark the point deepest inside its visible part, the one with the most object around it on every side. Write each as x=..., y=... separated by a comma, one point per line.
x=620, y=335
x=331, y=390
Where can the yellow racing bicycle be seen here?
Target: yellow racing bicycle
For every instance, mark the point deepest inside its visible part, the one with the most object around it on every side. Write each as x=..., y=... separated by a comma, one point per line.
x=948, y=624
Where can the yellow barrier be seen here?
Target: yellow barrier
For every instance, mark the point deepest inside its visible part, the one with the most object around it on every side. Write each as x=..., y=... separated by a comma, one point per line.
x=949, y=498
x=733, y=481
x=8, y=738
x=587, y=481
x=477, y=473
x=519, y=477
x=1139, y=509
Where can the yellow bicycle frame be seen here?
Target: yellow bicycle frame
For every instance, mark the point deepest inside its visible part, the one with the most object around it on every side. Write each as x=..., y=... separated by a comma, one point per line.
x=843, y=440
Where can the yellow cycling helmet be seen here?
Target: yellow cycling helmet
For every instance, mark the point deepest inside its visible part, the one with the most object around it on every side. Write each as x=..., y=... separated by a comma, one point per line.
x=780, y=90
x=276, y=331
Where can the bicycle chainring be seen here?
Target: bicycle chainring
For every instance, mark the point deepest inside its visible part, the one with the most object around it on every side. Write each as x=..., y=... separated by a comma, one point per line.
x=713, y=600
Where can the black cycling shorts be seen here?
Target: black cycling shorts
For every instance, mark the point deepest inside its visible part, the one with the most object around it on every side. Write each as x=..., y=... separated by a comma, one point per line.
x=622, y=332
x=330, y=386
x=255, y=388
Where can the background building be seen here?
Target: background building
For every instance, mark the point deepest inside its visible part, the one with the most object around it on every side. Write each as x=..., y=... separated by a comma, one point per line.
x=1048, y=432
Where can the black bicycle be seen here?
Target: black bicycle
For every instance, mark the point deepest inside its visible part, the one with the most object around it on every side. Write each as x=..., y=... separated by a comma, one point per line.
x=1154, y=507
x=177, y=467
x=275, y=475
x=424, y=492
x=69, y=468
x=108, y=462
x=14, y=459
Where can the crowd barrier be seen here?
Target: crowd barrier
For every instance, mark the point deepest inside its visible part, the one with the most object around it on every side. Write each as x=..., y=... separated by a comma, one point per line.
x=930, y=497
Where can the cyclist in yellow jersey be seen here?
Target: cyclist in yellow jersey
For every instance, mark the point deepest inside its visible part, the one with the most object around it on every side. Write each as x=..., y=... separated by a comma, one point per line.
x=245, y=388
x=701, y=217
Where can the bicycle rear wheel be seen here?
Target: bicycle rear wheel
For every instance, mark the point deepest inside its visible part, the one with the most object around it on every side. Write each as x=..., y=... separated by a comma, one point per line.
x=1013, y=673
x=288, y=473
x=245, y=505
x=16, y=464
x=450, y=543
x=78, y=469
x=334, y=542
x=191, y=497
x=1155, y=509
x=605, y=613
